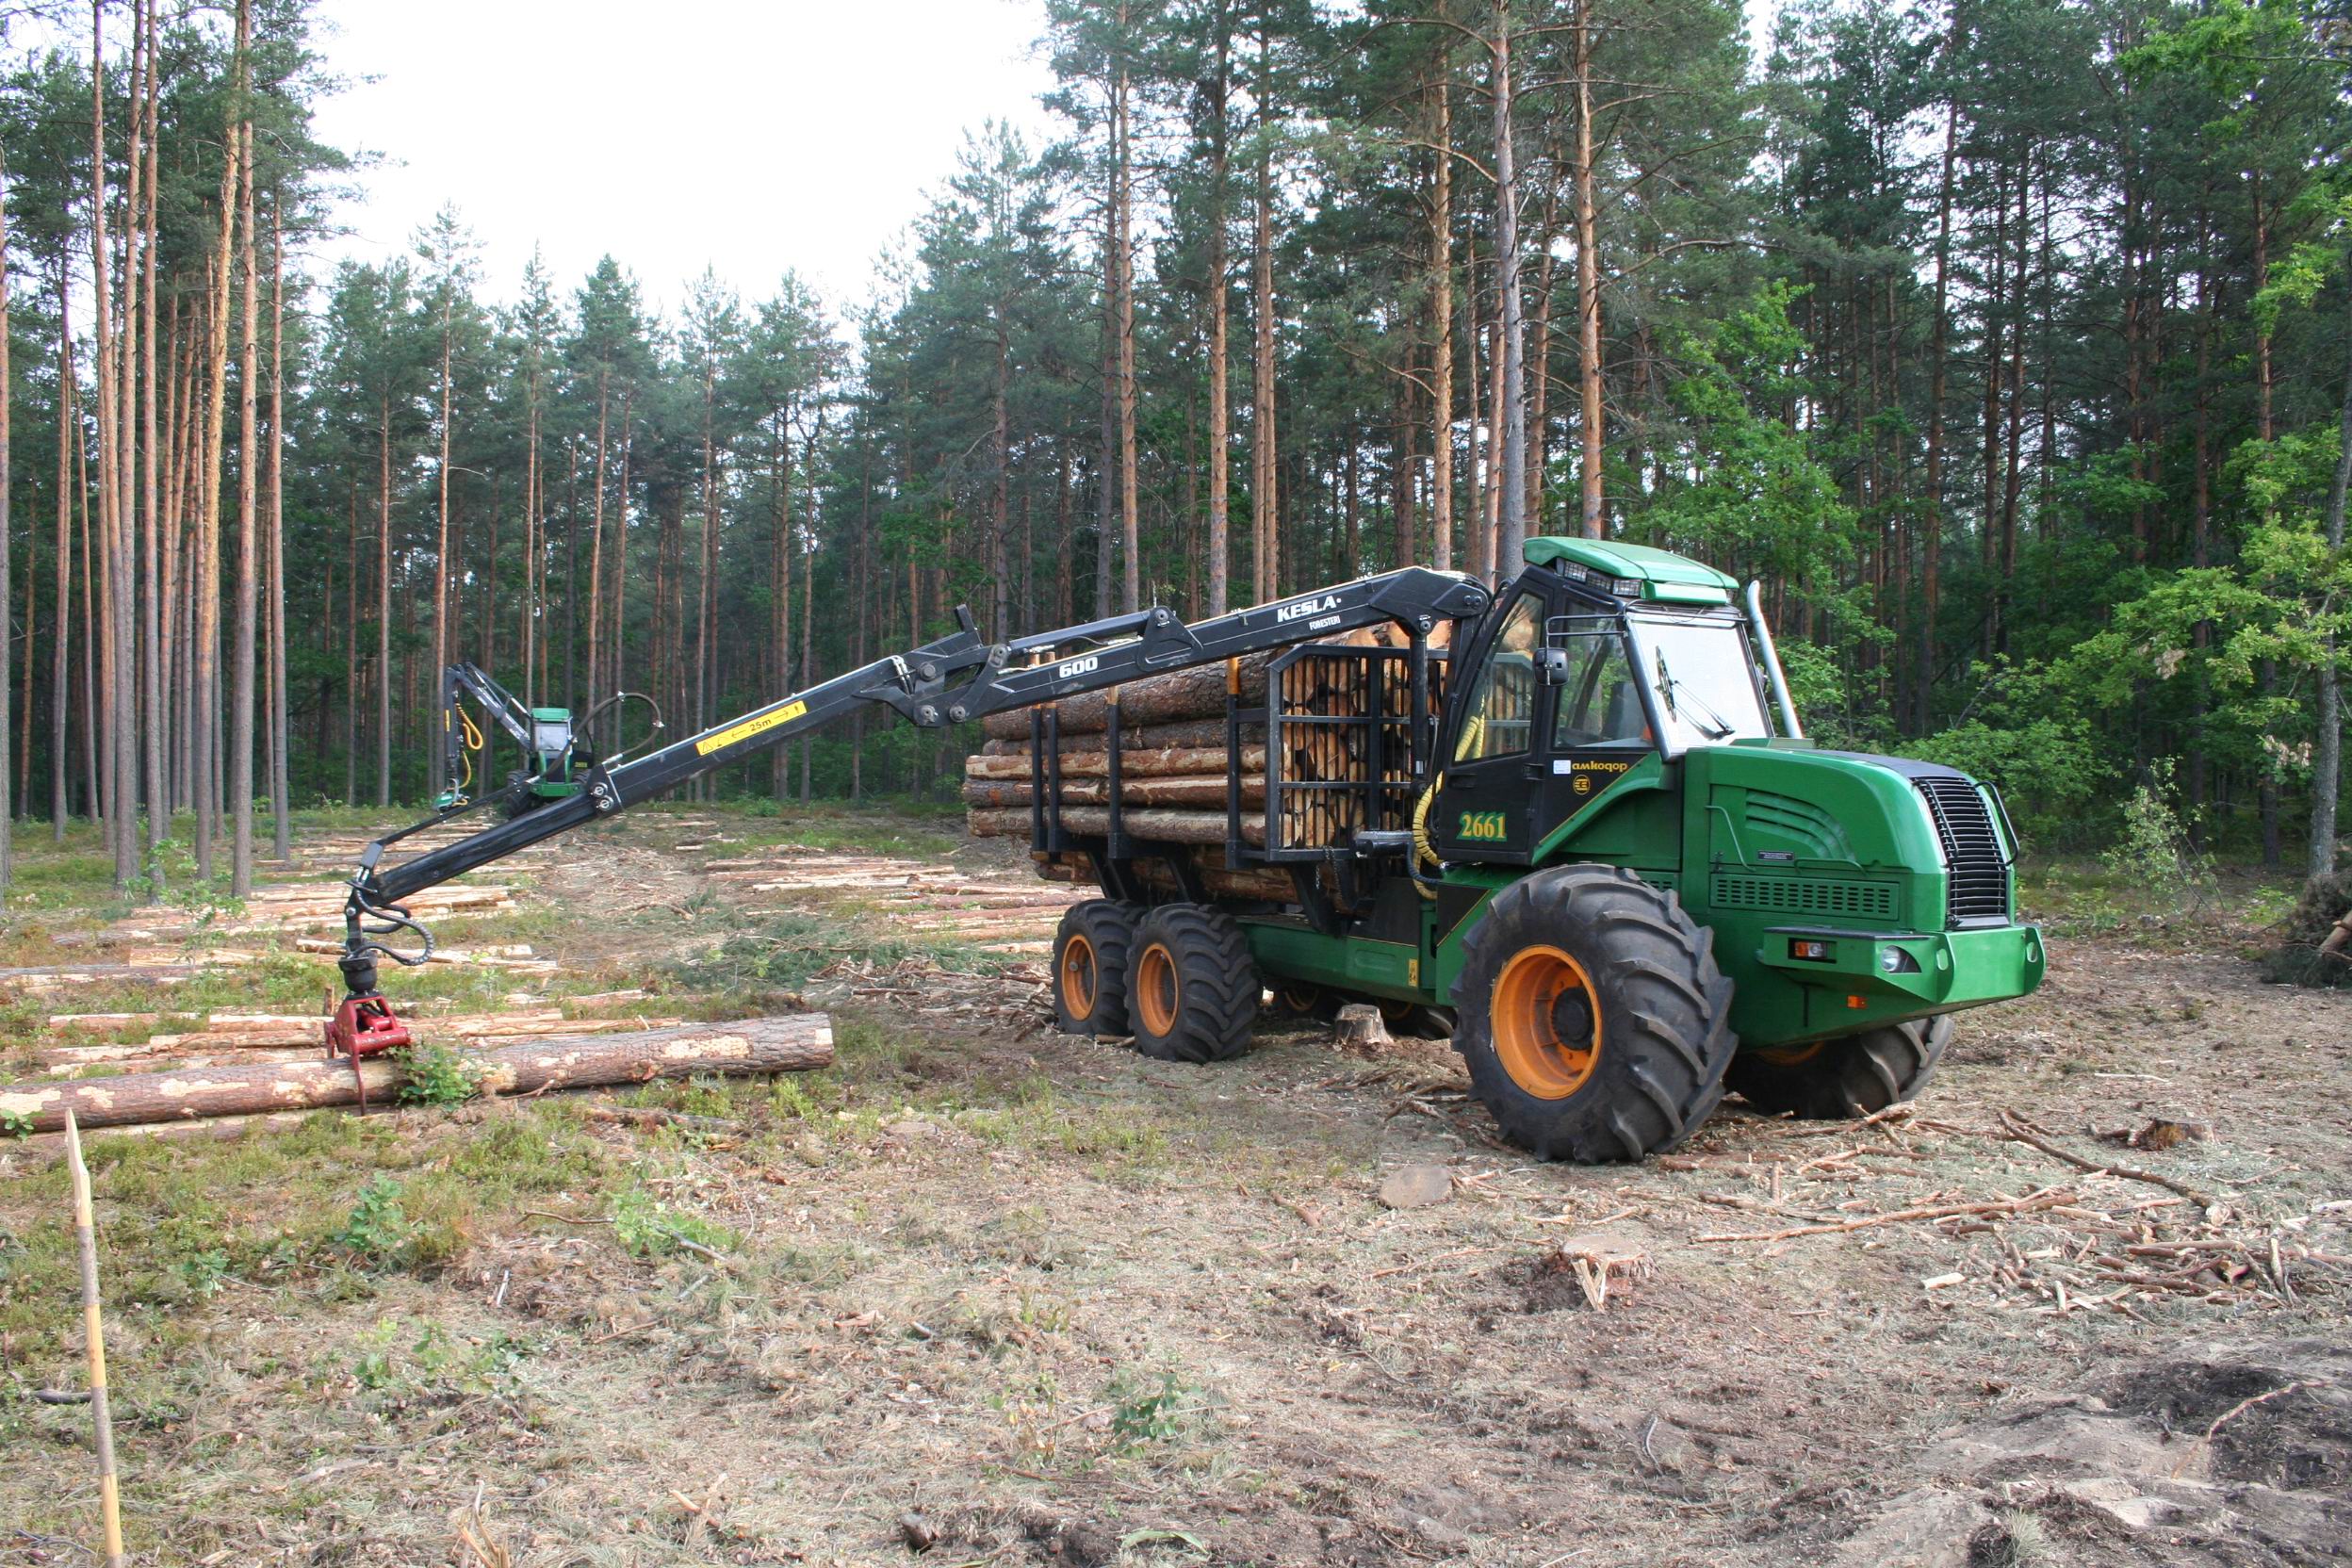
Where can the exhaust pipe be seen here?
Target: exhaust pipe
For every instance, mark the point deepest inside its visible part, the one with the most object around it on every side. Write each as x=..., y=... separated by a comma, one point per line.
x=1774, y=674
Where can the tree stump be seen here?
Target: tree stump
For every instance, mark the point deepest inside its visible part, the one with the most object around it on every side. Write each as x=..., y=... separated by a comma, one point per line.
x=1360, y=1027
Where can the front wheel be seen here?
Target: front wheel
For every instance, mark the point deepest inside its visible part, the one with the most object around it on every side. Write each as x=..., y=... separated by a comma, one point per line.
x=1856, y=1076
x=1592, y=1016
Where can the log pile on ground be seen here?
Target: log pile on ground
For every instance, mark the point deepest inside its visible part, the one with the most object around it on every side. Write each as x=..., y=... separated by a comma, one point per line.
x=1177, y=770
x=231, y=1038
x=798, y=1043
x=303, y=906
x=919, y=900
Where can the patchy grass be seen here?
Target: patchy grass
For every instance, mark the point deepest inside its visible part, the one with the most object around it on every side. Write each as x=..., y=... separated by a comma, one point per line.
x=791, y=950
x=2078, y=898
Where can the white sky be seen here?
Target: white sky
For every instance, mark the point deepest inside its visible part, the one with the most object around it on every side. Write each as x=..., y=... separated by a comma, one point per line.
x=752, y=136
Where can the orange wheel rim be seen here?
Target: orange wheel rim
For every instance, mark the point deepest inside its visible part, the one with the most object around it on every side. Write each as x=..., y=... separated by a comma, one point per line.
x=1298, y=999
x=1078, y=975
x=1790, y=1055
x=1547, y=1022
x=1156, y=990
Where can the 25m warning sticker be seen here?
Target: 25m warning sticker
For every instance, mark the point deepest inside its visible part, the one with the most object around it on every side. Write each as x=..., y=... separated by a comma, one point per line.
x=733, y=734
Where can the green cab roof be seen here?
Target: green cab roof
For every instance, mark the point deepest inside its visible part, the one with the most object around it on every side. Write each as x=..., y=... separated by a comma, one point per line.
x=1662, y=573
x=552, y=715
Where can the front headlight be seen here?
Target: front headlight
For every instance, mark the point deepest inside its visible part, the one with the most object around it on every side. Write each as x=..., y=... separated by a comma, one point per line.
x=1894, y=960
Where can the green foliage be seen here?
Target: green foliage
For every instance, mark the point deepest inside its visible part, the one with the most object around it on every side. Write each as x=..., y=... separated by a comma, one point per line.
x=378, y=1230
x=432, y=1074
x=2155, y=852
x=1761, y=497
x=170, y=877
x=2049, y=770
x=2028, y=730
x=15, y=1124
x=647, y=1228
x=1145, y=1411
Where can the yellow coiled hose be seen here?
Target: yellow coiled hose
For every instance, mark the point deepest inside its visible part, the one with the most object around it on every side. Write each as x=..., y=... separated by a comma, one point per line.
x=1473, y=735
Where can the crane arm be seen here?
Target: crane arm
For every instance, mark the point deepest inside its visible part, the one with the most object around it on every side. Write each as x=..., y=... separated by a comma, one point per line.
x=955, y=678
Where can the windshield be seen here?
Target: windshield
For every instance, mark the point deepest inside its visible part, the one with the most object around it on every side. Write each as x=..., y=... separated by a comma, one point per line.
x=1701, y=675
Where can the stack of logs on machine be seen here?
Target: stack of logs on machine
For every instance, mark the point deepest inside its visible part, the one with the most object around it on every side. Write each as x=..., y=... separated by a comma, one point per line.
x=1176, y=762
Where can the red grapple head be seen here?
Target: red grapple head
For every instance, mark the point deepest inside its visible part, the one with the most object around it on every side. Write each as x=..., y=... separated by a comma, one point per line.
x=363, y=1026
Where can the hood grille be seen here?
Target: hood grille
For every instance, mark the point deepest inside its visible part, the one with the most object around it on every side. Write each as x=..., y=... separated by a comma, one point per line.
x=1978, y=885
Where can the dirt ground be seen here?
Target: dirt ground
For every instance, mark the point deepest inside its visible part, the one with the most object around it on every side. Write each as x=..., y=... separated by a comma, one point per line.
x=985, y=1294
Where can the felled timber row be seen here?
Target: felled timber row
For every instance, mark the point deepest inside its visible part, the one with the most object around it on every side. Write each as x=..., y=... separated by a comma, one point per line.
x=992, y=910
x=247, y=1038
x=317, y=906
x=172, y=966
x=798, y=1043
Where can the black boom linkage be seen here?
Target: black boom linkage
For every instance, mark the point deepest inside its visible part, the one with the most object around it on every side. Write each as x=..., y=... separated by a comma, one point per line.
x=953, y=679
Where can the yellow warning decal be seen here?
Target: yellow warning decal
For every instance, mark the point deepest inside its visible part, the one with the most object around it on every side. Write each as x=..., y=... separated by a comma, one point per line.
x=749, y=728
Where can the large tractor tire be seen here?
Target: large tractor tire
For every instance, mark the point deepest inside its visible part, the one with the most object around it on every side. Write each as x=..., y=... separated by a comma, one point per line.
x=1090, y=966
x=1592, y=1015
x=1831, y=1080
x=1192, y=988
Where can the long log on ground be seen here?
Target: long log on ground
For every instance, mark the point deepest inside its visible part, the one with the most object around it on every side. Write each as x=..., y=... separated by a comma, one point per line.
x=1201, y=793
x=798, y=1043
x=1146, y=737
x=1198, y=692
x=1168, y=827
x=1167, y=762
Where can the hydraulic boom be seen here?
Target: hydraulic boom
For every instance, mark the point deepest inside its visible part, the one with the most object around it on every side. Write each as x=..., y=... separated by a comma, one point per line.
x=955, y=678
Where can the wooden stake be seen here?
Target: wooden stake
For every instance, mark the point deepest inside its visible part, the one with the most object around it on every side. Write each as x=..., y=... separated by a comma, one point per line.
x=86, y=1240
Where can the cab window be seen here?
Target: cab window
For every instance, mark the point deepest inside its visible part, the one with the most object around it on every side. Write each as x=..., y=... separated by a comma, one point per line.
x=1599, y=703
x=1498, y=718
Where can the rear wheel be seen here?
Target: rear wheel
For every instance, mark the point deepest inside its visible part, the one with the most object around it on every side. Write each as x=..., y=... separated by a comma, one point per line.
x=1417, y=1019
x=1831, y=1080
x=1301, y=998
x=1192, y=988
x=1090, y=954
x=1592, y=1016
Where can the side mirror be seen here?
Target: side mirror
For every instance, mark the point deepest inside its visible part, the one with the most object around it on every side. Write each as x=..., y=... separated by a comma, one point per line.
x=1554, y=663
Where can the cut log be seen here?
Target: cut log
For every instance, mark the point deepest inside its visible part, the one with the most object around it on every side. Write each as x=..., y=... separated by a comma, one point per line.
x=1198, y=692
x=1174, y=762
x=798, y=1043
x=1208, y=793
x=1143, y=737
x=1166, y=825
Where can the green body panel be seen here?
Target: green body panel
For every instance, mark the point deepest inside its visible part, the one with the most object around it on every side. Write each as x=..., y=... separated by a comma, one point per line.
x=1763, y=842
x=1290, y=948
x=1781, y=841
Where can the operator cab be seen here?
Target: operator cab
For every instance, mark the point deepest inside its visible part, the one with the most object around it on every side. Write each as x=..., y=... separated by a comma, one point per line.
x=1597, y=658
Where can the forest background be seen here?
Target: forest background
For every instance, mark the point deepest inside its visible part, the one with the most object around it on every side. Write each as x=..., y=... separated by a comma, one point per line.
x=2008, y=341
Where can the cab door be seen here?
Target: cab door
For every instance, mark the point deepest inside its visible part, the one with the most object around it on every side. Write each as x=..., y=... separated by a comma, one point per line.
x=1600, y=726
x=1499, y=741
